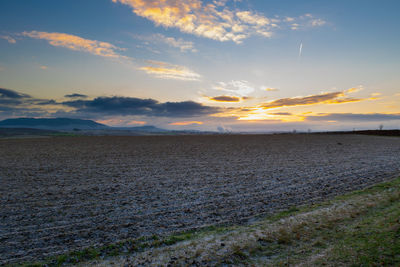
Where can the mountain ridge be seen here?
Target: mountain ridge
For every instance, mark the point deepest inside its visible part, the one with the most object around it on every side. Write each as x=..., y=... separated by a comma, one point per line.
x=69, y=124
x=52, y=124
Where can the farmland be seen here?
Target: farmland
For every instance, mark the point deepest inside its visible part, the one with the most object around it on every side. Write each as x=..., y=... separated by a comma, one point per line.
x=67, y=193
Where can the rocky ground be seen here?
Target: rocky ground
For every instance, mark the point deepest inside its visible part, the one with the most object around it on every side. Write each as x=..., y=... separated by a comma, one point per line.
x=67, y=193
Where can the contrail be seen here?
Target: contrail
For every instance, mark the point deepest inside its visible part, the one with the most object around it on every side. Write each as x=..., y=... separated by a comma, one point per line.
x=300, y=49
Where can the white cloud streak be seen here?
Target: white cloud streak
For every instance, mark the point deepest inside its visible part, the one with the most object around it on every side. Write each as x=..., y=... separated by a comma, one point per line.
x=165, y=70
x=179, y=43
x=241, y=88
x=300, y=50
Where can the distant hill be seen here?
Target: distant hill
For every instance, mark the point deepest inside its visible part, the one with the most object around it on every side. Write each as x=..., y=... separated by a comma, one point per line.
x=84, y=126
x=52, y=124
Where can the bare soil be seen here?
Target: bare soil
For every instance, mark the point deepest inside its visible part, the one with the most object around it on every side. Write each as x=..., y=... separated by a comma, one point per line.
x=67, y=193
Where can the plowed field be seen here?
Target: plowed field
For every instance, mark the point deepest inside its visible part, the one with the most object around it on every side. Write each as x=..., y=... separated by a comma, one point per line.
x=67, y=193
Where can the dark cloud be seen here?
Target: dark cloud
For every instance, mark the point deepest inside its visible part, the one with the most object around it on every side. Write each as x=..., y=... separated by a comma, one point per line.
x=281, y=113
x=225, y=98
x=10, y=101
x=7, y=93
x=183, y=109
x=76, y=96
x=12, y=111
x=13, y=103
x=6, y=108
x=137, y=106
x=354, y=117
x=45, y=102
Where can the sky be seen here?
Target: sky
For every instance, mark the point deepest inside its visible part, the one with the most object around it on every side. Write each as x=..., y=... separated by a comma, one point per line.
x=219, y=65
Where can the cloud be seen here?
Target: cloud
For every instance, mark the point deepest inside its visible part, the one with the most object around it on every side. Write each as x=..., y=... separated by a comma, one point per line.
x=289, y=19
x=121, y=122
x=210, y=20
x=8, y=39
x=10, y=102
x=107, y=50
x=242, y=87
x=77, y=43
x=169, y=71
x=44, y=67
x=13, y=99
x=305, y=21
x=190, y=16
x=366, y=117
x=282, y=113
x=251, y=18
x=75, y=95
x=268, y=89
x=183, y=45
x=7, y=112
x=184, y=123
x=317, y=22
x=7, y=93
x=225, y=98
x=137, y=106
x=325, y=98
x=46, y=102
x=13, y=103
x=376, y=94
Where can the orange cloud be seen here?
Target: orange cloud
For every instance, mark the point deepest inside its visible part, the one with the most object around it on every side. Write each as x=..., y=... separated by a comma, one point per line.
x=159, y=69
x=271, y=89
x=77, y=43
x=225, y=98
x=251, y=18
x=136, y=122
x=261, y=112
x=325, y=98
x=183, y=123
x=214, y=20
x=169, y=71
x=121, y=122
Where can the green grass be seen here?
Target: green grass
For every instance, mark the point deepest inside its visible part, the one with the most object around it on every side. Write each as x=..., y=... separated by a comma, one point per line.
x=373, y=240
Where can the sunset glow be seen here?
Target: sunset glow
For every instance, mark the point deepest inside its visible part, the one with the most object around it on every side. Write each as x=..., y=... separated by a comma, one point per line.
x=209, y=64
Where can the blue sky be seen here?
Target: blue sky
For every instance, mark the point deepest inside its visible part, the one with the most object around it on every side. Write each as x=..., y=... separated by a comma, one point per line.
x=237, y=65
